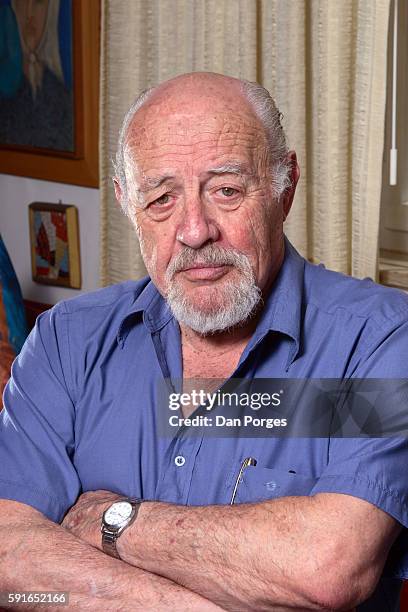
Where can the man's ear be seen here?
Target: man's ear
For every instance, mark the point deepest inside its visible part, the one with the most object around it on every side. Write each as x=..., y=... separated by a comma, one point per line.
x=118, y=193
x=294, y=174
x=118, y=190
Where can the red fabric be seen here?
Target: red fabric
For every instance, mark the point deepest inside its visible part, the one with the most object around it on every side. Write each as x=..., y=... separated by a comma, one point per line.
x=404, y=598
x=6, y=351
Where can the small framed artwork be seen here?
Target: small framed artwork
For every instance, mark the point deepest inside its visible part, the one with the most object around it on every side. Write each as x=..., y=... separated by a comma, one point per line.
x=54, y=237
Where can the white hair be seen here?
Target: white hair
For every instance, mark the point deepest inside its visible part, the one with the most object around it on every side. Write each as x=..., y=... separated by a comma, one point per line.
x=270, y=117
x=264, y=108
x=119, y=164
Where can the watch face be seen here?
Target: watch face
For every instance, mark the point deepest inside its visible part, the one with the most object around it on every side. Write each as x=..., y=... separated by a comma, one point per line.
x=118, y=514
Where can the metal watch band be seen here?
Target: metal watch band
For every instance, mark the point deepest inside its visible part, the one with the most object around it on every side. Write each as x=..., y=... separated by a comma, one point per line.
x=109, y=536
x=109, y=543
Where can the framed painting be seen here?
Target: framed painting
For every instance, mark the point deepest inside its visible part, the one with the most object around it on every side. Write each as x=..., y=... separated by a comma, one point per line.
x=49, y=82
x=54, y=237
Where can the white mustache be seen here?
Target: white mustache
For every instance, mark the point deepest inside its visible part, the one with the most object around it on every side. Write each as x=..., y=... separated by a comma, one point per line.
x=208, y=255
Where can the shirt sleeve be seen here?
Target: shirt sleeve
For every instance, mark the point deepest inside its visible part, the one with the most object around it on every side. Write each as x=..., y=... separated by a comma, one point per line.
x=375, y=469
x=37, y=433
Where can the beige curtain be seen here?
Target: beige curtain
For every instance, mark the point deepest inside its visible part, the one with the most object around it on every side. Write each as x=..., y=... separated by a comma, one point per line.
x=324, y=61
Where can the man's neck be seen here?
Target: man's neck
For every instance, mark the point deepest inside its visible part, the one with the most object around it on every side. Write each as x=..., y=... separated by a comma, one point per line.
x=219, y=342
x=209, y=360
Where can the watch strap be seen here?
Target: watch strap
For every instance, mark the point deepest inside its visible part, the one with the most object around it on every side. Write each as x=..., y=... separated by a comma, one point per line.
x=110, y=535
x=109, y=543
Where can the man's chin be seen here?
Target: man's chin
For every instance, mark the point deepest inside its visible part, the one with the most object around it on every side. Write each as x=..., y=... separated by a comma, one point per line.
x=212, y=310
x=206, y=299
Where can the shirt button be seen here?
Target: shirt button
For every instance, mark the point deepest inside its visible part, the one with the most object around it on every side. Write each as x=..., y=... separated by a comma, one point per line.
x=179, y=460
x=271, y=485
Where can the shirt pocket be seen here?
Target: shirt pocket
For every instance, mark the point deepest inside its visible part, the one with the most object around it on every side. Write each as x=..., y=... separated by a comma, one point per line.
x=260, y=483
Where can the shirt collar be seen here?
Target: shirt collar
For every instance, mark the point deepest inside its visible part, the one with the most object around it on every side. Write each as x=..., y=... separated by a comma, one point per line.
x=149, y=306
x=281, y=313
x=283, y=306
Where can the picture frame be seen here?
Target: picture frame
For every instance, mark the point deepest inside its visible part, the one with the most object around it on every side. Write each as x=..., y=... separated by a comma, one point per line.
x=79, y=166
x=54, y=241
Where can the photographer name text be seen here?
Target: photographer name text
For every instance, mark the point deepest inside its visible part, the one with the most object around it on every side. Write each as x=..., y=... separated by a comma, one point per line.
x=222, y=421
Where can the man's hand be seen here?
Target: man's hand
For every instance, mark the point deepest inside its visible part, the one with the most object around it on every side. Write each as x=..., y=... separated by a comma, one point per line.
x=84, y=518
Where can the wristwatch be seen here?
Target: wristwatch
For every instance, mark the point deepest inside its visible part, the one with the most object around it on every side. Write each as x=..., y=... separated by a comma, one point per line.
x=115, y=520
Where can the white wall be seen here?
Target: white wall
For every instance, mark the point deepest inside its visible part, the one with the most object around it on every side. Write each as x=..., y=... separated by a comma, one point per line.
x=16, y=193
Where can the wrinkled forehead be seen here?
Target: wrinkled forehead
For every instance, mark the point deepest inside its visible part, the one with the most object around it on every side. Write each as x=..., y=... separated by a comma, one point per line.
x=155, y=136
x=192, y=129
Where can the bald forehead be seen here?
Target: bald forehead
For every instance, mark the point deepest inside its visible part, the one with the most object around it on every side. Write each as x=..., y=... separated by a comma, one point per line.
x=182, y=136
x=200, y=94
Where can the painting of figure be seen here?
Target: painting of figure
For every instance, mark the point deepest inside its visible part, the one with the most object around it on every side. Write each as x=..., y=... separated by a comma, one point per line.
x=36, y=75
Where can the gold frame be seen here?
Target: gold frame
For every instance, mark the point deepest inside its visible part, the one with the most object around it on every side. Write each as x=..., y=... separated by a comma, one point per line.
x=74, y=279
x=80, y=167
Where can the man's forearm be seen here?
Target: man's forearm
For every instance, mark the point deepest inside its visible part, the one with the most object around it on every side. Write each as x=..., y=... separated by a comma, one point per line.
x=213, y=553
x=39, y=555
x=270, y=556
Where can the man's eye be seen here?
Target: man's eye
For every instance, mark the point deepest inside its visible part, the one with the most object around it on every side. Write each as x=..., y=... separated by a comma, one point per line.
x=164, y=199
x=228, y=192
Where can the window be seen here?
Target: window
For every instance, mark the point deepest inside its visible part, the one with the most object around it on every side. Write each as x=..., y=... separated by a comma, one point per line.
x=394, y=200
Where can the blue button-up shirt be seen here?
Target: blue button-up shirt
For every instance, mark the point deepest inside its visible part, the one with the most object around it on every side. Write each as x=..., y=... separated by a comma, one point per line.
x=80, y=412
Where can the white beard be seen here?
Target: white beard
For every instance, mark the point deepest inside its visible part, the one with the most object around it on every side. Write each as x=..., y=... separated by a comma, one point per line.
x=227, y=304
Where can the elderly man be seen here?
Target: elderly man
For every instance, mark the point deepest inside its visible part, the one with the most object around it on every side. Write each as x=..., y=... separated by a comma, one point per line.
x=205, y=176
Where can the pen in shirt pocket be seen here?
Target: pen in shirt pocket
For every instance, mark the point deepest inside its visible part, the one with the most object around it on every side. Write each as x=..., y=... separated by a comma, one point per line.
x=246, y=463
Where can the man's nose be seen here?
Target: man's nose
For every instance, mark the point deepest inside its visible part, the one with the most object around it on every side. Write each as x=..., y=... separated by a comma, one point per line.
x=196, y=227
